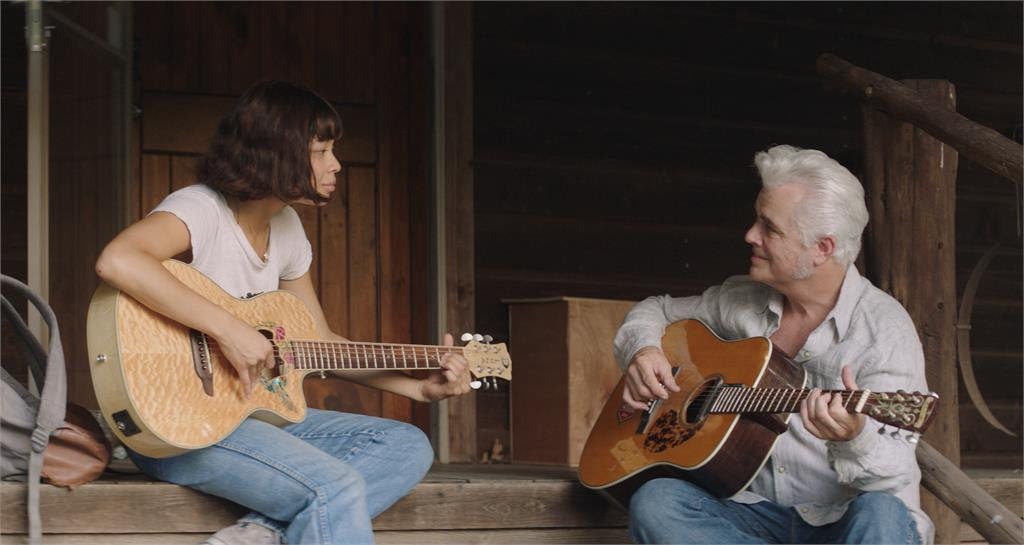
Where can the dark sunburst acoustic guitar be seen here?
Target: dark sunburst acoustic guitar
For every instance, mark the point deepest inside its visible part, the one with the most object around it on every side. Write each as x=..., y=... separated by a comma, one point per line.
x=735, y=399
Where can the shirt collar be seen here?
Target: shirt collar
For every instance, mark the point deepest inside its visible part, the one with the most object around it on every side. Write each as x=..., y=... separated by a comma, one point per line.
x=849, y=294
x=841, y=314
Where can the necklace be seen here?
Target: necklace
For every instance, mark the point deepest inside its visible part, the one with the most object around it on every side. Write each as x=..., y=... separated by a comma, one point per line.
x=258, y=238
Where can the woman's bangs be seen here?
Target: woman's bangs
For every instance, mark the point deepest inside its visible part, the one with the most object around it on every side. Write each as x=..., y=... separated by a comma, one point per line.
x=327, y=124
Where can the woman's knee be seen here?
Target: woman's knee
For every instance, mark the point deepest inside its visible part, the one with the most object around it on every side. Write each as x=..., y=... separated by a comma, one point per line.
x=343, y=482
x=413, y=444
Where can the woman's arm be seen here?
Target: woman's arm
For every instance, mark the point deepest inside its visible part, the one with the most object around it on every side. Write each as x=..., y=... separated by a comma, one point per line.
x=132, y=263
x=451, y=379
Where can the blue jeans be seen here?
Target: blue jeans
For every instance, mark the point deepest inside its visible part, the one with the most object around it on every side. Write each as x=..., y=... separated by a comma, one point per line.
x=320, y=481
x=676, y=511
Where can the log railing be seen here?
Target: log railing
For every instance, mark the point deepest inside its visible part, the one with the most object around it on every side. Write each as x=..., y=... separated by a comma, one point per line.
x=978, y=508
x=977, y=142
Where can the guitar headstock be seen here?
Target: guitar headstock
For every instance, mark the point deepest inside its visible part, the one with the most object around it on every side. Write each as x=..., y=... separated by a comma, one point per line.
x=908, y=411
x=488, y=360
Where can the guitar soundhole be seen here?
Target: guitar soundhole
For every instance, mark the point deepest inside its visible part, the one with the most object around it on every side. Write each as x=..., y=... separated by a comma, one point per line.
x=275, y=336
x=697, y=405
x=667, y=432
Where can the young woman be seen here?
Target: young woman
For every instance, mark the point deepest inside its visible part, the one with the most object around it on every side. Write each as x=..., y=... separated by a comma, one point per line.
x=321, y=480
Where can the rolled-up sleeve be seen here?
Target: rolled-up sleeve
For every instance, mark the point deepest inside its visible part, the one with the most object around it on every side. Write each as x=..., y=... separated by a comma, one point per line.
x=875, y=462
x=645, y=323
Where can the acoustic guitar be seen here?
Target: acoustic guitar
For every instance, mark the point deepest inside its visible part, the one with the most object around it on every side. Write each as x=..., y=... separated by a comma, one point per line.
x=164, y=388
x=735, y=400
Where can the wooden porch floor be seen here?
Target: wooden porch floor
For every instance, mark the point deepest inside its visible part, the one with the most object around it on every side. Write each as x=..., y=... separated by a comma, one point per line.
x=454, y=504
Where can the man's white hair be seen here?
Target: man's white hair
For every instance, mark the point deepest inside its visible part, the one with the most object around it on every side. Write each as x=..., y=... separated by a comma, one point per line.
x=833, y=204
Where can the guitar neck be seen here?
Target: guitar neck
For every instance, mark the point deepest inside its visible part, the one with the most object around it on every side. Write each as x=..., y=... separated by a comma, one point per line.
x=338, y=356
x=740, y=399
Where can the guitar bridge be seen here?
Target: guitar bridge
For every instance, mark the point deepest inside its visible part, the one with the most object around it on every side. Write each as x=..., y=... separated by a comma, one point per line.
x=201, y=360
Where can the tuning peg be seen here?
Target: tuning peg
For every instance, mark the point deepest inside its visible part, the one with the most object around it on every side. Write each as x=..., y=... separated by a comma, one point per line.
x=488, y=339
x=881, y=430
x=912, y=438
x=475, y=384
x=478, y=337
x=895, y=434
x=466, y=337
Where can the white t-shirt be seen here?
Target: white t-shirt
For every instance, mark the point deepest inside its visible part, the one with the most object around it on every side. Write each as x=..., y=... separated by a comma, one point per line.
x=221, y=251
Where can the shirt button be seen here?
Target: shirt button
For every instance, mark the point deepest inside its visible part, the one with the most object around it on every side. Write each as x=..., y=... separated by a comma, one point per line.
x=806, y=354
x=782, y=470
x=803, y=510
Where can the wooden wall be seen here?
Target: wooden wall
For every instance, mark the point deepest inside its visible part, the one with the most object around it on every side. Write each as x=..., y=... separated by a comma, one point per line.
x=13, y=167
x=615, y=141
x=193, y=59
x=83, y=171
x=370, y=61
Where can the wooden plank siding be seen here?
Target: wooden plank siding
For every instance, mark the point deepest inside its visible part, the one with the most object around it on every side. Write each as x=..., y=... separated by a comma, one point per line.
x=614, y=146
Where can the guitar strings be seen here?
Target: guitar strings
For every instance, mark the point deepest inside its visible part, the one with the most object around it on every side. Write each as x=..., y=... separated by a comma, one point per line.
x=408, y=353
x=746, y=397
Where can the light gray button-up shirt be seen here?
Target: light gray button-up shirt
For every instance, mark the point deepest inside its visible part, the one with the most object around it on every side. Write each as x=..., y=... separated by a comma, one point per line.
x=867, y=330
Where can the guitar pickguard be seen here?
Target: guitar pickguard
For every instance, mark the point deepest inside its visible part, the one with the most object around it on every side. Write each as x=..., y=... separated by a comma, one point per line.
x=668, y=432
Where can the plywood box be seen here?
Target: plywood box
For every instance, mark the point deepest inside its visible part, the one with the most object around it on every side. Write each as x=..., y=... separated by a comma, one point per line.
x=564, y=372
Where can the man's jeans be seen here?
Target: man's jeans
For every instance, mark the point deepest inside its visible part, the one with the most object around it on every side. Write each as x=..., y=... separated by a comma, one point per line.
x=675, y=511
x=318, y=482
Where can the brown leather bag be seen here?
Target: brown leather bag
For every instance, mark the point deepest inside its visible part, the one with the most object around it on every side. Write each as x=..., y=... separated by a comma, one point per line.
x=78, y=452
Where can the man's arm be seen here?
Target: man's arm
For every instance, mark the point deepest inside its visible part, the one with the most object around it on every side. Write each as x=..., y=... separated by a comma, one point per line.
x=878, y=462
x=637, y=343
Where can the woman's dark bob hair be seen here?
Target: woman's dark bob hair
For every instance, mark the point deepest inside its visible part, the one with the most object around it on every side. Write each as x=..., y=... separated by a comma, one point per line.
x=261, y=149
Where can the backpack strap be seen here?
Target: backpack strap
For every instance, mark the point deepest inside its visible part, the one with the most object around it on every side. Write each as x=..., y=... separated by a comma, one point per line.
x=35, y=355
x=52, y=403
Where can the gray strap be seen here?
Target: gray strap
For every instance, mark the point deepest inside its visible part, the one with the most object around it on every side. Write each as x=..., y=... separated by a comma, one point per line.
x=35, y=474
x=52, y=404
x=963, y=341
x=36, y=354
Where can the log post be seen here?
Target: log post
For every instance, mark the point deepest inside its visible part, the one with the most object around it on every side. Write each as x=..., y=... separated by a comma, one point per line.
x=910, y=182
x=988, y=517
x=978, y=143
x=456, y=416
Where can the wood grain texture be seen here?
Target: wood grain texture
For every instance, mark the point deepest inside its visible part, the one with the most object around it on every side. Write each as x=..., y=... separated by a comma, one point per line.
x=511, y=497
x=395, y=177
x=150, y=371
x=908, y=103
x=384, y=537
x=910, y=183
x=156, y=181
x=183, y=123
x=115, y=511
x=990, y=518
x=565, y=371
x=460, y=236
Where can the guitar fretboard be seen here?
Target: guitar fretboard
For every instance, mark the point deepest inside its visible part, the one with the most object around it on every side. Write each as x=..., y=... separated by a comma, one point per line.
x=740, y=399
x=329, y=355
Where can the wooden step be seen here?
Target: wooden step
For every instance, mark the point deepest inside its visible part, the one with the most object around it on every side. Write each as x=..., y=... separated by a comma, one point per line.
x=454, y=504
x=451, y=498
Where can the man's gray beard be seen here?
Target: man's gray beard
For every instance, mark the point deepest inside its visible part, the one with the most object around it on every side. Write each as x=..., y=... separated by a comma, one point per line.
x=804, y=266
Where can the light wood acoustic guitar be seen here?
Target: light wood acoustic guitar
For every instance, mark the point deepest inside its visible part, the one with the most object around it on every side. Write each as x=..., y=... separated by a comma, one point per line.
x=735, y=399
x=165, y=389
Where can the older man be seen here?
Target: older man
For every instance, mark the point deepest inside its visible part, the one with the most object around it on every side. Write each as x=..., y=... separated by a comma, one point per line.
x=831, y=478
